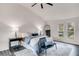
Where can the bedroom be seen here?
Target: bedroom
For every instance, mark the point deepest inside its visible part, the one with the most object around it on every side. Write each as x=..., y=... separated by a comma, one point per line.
x=21, y=20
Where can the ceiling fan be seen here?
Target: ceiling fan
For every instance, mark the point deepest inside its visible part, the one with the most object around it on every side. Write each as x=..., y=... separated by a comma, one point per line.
x=41, y=4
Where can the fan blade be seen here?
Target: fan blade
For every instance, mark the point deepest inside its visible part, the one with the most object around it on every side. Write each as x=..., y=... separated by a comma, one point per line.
x=34, y=4
x=41, y=5
x=49, y=4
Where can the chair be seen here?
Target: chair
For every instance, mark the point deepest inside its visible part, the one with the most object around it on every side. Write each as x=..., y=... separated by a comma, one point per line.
x=41, y=46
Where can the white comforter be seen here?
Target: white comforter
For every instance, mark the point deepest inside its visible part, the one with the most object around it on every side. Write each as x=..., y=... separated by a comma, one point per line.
x=33, y=43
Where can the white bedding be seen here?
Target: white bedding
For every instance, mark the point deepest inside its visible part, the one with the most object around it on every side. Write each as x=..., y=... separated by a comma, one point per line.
x=33, y=43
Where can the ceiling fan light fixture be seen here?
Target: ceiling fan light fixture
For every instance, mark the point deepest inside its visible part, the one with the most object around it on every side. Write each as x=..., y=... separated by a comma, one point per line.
x=50, y=4
x=42, y=4
x=34, y=4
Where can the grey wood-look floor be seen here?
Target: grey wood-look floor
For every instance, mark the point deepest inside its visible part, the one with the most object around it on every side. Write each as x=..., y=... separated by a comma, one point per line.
x=11, y=53
x=6, y=53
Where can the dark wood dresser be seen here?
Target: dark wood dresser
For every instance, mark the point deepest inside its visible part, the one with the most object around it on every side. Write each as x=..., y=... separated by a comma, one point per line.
x=13, y=40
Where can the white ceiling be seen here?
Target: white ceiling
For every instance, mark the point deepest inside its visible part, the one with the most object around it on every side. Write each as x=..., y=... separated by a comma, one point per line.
x=56, y=12
x=17, y=15
x=23, y=13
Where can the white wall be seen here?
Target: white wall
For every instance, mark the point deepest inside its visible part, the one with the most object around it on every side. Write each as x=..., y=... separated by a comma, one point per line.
x=54, y=29
x=4, y=36
x=34, y=26
x=28, y=28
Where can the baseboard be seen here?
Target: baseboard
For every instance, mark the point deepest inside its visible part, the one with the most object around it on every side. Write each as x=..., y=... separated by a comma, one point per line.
x=67, y=42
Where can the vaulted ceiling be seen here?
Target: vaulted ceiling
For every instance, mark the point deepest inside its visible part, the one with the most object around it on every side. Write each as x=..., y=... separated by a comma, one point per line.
x=56, y=12
x=22, y=13
x=18, y=15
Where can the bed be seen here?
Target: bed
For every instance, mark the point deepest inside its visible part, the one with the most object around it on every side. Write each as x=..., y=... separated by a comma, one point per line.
x=33, y=44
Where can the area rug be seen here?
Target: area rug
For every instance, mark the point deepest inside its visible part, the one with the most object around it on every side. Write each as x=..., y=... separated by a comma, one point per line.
x=24, y=52
x=62, y=50
x=6, y=53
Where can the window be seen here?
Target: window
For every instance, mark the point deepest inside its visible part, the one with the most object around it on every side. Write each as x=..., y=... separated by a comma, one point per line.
x=70, y=30
x=61, y=31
